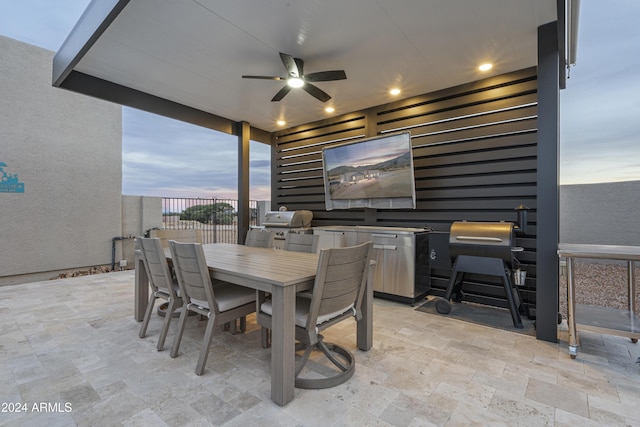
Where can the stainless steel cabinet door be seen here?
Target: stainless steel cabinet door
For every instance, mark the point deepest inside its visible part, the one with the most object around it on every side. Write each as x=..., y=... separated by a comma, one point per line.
x=346, y=238
x=398, y=270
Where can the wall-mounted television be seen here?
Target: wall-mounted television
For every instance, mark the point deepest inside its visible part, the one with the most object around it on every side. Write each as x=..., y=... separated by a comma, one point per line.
x=370, y=173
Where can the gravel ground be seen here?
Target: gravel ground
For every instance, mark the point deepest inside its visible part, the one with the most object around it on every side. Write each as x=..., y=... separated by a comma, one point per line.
x=599, y=283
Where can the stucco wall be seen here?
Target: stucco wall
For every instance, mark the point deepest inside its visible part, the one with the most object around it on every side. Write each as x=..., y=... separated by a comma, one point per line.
x=67, y=150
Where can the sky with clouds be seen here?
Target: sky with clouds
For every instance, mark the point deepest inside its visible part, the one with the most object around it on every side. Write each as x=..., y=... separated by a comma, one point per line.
x=600, y=110
x=170, y=158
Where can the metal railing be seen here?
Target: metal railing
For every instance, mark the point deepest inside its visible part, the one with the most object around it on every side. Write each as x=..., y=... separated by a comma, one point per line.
x=217, y=218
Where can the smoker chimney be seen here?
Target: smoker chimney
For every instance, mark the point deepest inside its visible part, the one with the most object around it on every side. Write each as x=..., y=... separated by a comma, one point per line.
x=522, y=222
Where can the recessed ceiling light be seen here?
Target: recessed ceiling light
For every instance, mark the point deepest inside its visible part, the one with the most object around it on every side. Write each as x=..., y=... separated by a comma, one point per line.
x=295, y=82
x=281, y=122
x=395, y=91
x=329, y=109
x=485, y=67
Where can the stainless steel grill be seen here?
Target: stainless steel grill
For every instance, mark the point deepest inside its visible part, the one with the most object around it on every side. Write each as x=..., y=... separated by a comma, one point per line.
x=288, y=219
x=281, y=223
x=482, y=248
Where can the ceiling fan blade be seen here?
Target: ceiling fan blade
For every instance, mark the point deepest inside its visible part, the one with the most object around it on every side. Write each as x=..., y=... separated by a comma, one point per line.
x=316, y=92
x=295, y=68
x=281, y=93
x=300, y=65
x=326, y=76
x=264, y=77
x=291, y=64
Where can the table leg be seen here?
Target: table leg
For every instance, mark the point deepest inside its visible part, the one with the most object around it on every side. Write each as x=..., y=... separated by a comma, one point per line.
x=283, y=344
x=141, y=290
x=571, y=310
x=365, y=325
x=631, y=282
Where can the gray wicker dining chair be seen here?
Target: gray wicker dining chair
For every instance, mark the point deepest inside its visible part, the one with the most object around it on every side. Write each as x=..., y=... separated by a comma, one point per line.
x=338, y=291
x=221, y=304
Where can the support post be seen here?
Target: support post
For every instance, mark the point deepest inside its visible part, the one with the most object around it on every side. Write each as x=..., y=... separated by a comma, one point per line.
x=244, y=138
x=547, y=215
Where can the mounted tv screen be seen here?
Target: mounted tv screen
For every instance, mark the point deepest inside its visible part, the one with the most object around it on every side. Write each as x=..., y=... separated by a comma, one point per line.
x=370, y=173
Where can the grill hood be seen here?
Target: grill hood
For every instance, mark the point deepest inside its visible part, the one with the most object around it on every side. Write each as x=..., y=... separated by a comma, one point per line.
x=483, y=239
x=288, y=219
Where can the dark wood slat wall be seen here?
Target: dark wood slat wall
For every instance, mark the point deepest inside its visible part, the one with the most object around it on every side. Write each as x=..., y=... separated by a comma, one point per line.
x=475, y=159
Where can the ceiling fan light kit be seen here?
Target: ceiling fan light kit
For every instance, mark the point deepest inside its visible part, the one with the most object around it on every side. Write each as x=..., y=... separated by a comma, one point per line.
x=295, y=82
x=297, y=79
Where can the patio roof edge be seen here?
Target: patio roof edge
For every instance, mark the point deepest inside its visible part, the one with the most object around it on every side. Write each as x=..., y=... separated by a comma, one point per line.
x=92, y=24
x=94, y=21
x=102, y=89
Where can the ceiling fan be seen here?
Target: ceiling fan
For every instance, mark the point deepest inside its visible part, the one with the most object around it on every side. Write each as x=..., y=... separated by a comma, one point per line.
x=296, y=78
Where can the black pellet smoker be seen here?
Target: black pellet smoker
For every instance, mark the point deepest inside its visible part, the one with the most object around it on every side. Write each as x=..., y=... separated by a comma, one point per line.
x=486, y=248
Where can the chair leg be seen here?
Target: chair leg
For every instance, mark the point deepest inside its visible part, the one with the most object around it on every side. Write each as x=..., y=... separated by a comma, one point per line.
x=235, y=329
x=329, y=353
x=147, y=316
x=206, y=344
x=265, y=337
x=330, y=350
x=176, y=340
x=167, y=320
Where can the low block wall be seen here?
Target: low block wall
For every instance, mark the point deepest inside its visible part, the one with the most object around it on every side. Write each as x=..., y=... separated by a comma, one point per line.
x=605, y=213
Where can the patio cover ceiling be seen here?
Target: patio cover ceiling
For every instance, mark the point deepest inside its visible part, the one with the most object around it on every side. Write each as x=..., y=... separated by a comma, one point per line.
x=194, y=52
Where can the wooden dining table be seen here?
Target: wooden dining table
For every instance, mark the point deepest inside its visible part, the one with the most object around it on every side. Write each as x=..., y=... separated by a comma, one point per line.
x=281, y=273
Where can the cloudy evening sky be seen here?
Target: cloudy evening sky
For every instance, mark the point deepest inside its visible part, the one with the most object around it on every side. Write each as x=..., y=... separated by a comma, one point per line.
x=600, y=110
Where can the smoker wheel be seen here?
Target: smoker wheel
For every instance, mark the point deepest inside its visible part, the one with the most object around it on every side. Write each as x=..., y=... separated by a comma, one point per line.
x=443, y=306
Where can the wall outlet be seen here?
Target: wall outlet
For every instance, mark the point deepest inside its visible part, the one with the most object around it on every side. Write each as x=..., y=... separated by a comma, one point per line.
x=123, y=263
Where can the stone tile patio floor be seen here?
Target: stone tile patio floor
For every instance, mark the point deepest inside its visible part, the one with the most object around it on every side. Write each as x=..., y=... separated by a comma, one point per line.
x=70, y=355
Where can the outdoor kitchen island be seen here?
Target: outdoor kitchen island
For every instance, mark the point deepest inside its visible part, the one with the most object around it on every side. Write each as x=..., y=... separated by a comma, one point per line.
x=401, y=254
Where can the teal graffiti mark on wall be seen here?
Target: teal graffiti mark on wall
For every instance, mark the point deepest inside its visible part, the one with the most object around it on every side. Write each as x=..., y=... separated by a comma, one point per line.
x=9, y=183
